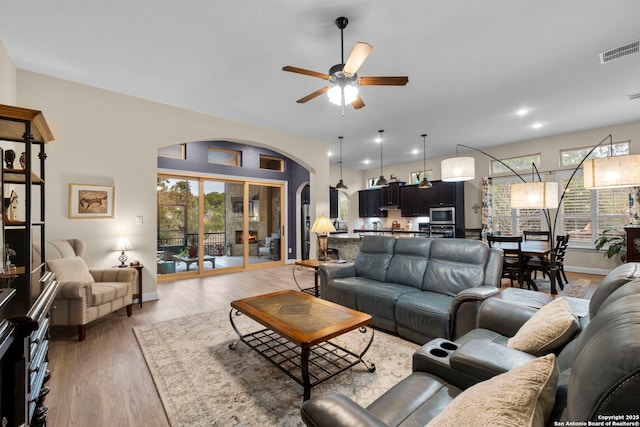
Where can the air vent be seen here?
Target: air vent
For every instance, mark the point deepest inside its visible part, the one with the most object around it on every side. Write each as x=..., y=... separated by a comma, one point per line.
x=634, y=96
x=619, y=52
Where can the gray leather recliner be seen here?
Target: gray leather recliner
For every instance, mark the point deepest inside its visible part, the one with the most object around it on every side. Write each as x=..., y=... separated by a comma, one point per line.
x=599, y=377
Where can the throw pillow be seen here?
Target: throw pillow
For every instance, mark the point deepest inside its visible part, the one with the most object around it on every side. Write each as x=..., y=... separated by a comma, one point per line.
x=522, y=397
x=551, y=327
x=70, y=270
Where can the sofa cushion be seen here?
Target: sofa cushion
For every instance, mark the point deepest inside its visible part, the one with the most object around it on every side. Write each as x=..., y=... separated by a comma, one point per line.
x=343, y=290
x=423, y=315
x=373, y=257
x=521, y=397
x=549, y=328
x=70, y=270
x=409, y=262
x=455, y=265
x=104, y=292
x=379, y=300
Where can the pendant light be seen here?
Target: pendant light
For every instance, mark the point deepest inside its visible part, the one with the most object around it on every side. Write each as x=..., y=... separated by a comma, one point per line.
x=341, y=184
x=425, y=183
x=381, y=182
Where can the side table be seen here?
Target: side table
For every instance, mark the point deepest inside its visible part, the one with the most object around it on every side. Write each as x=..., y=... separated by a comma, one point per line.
x=138, y=267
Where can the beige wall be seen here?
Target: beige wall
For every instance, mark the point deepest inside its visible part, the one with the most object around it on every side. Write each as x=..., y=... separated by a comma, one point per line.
x=105, y=138
x=7, y=77
x=581, y=260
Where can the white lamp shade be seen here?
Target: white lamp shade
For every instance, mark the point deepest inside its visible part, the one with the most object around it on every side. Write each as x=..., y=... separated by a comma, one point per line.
x=534, y=195
x=122, y=244
x=458, y=169
x=612, y=172
x=322, y=225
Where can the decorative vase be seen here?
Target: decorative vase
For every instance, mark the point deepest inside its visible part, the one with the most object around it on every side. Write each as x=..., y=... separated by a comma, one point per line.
x=193, y=252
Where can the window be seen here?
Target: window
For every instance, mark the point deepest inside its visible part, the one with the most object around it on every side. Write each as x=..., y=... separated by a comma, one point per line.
x=220, y=156
x=586, y=214
x=522, y=163
x=271, y=163
x=509, y=221
x=178, y=151
x=343, y=206
x=416, y=177
x=574, y=156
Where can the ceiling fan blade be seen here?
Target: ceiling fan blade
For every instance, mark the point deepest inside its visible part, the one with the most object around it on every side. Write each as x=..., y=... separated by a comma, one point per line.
x=314, y=94
x=305, y=72
x=358, y=103
x=358, y=55
x=383, y=81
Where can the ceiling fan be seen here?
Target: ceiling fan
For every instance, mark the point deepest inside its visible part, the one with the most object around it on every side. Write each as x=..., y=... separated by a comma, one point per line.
x=344, y=78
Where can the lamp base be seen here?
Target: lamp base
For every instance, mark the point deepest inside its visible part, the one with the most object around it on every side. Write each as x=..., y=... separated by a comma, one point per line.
x=123, y=259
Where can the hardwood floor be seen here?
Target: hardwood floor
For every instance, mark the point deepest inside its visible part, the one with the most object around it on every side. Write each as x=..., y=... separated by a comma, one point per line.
x=104, y=380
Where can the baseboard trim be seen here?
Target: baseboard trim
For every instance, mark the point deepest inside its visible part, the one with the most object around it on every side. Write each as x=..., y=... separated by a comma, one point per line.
x=586, y=270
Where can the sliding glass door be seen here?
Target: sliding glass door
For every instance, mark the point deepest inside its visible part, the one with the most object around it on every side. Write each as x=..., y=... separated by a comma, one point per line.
x=206, y=225
x=265, y=223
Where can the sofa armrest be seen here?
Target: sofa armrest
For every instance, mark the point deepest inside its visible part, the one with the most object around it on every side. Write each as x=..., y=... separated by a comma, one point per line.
x=465, y=307
x=483, y=359
x=75, y=290
x=115, y=275
x=334, y=410
x=503, y=317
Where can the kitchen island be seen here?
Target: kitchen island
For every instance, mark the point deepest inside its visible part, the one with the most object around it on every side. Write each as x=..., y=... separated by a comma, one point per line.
x=347, y=244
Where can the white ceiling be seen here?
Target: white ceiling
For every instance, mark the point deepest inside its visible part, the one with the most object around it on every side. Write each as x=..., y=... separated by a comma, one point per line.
x=471, y=64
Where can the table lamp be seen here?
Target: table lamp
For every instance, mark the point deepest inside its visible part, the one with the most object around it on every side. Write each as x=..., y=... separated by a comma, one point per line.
x=321, y=227
x=122, y=245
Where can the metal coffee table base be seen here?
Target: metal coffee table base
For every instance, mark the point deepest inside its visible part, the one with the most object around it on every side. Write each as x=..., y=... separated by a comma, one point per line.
x=308, y=366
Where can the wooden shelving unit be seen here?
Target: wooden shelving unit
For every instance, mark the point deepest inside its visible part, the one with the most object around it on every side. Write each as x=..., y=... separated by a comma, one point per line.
x=24, y=314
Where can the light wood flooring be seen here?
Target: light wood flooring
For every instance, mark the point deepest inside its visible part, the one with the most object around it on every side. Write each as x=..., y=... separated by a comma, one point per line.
x=104, y=380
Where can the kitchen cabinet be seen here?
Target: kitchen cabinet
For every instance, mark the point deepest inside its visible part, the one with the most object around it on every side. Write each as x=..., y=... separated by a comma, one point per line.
x=333, y=203
x=369, y=203
x=391, y=194
x=444, y=193
x=414, y=201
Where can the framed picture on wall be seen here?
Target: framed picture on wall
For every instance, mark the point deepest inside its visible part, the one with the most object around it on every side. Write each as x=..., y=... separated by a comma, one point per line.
x=91, y=201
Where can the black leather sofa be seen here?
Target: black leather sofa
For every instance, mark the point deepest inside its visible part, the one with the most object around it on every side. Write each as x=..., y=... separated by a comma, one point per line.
x=599, y=370
x=415, y=287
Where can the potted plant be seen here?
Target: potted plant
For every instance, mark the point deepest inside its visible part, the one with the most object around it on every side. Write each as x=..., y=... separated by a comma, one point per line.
x=616, y=243
x=193, y=251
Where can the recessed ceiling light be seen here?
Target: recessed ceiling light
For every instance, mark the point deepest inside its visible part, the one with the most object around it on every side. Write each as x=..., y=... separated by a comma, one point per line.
x=366, y=161
x=414, y=151
x=537, y=125
x=522, y=112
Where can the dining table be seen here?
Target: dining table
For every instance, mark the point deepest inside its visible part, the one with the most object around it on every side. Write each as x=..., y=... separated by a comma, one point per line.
x=531, y=249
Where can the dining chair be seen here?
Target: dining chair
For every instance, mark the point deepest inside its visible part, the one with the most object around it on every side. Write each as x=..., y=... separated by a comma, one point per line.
x=537, y=235
x=552, y=263
x=514, y=263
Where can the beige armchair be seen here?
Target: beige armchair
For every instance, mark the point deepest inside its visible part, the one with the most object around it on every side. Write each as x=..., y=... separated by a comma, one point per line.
x=86, y=294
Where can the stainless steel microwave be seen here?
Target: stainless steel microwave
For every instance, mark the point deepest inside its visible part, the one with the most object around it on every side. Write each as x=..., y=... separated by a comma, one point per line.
x=442, y=216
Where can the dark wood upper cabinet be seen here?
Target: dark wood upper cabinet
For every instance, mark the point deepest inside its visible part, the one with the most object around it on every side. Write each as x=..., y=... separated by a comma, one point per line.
x=333, y=202
x=370, y=202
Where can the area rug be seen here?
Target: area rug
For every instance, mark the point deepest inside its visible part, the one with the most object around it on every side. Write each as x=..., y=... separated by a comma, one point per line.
x=202, y=382
x=576, y=288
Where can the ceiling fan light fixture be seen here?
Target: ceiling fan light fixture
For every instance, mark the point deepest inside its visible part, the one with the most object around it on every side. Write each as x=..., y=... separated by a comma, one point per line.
x=349, y=91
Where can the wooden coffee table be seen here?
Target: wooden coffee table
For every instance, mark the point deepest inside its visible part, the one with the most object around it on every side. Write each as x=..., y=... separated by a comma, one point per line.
x=297, y=331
